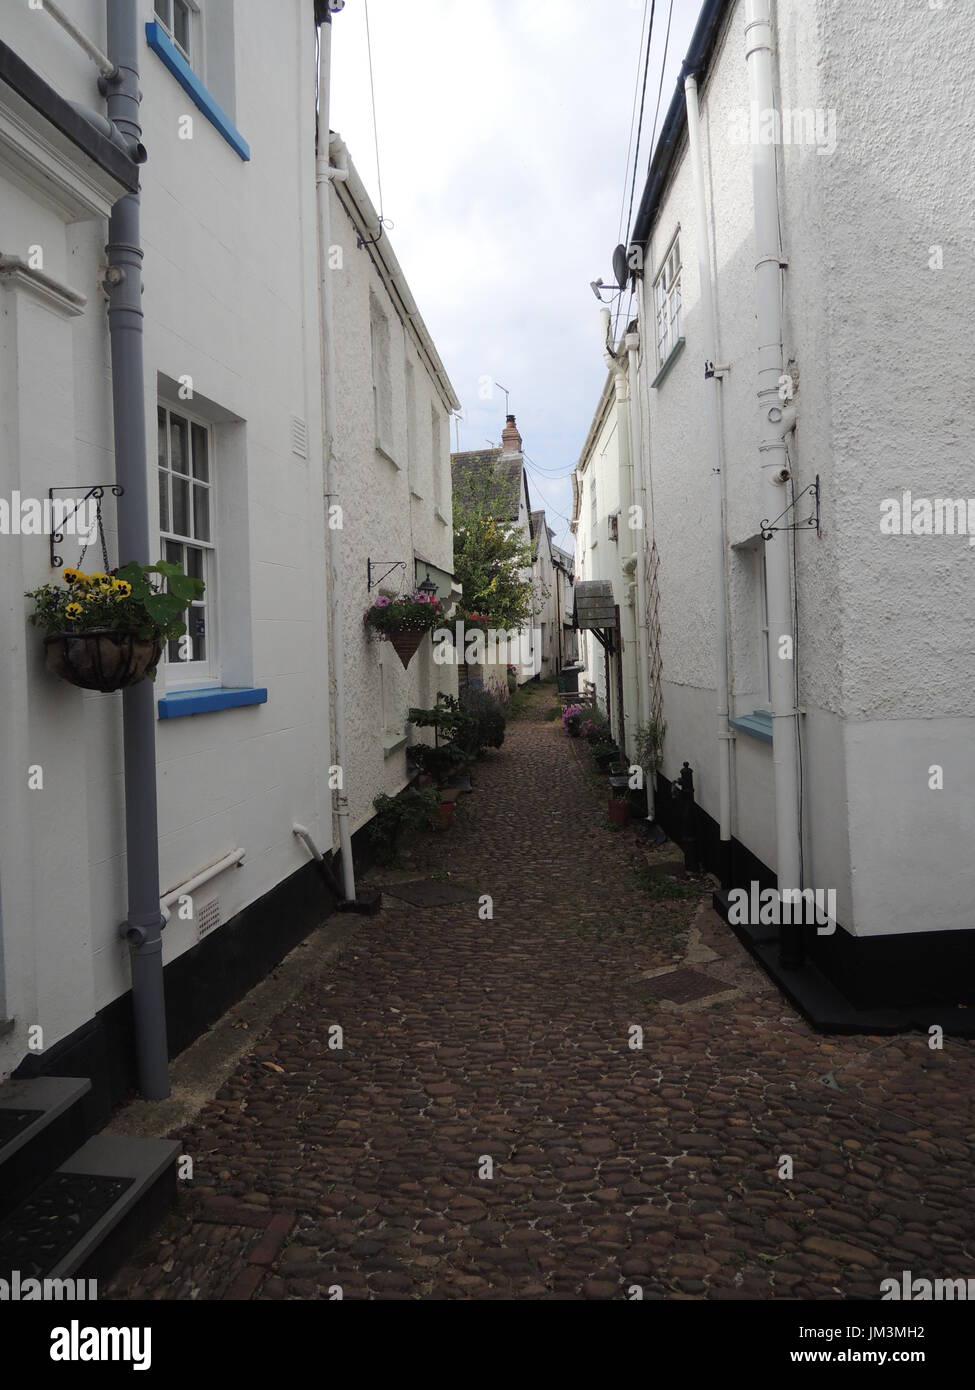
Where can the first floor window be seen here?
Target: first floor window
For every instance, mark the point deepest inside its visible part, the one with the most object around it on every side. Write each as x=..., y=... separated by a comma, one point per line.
x=667, y=303
x=186, y=514
x=177, y=16
x=763, y=618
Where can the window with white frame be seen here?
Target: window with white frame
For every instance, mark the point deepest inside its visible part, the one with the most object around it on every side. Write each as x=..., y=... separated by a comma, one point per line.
x=186, y=527
x=179, y=18
x=411, y=458
x=763, y=622
x=382, y=401
x=667, y=303
x=436, y=445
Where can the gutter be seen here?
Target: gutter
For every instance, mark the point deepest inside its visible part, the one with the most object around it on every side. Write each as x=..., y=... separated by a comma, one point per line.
x=91, y=139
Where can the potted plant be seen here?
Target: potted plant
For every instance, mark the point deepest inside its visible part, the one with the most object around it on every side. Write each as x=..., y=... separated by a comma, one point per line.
x=106, y=631
x=571, y=717
x=649, y=744
x=604, y=754
x=512, y=679
x=403, y=621
x=448, y=801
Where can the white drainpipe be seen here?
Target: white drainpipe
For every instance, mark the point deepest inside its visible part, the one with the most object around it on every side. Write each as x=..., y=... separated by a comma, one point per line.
x=232, y=860
x=329, y=421
x=621, y=388
x=713, y=411
x=639, y=538
x=774, y=462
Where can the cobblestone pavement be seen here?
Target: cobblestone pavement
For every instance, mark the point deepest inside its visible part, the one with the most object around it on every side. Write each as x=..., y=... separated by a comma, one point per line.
x=508, y=1039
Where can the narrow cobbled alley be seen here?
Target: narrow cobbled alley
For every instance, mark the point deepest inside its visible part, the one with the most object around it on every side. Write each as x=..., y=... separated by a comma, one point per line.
x=487, y=1128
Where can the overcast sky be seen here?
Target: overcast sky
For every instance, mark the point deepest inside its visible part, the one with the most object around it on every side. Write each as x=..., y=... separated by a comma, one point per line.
x=503, y=128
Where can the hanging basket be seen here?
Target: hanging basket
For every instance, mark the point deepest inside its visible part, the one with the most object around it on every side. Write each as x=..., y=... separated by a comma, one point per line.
x=406, y=644
x=101, y=659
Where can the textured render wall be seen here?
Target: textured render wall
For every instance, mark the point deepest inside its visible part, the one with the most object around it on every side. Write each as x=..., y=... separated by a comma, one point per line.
x=383, y=521
x=600, y=557
x=243, y=324
x=680, y=466
x=901, y=340
x=875, y=339
x=543, y=577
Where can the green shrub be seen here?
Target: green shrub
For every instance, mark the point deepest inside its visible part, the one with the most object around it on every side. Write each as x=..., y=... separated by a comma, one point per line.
x=415, y=809
x=487, y=716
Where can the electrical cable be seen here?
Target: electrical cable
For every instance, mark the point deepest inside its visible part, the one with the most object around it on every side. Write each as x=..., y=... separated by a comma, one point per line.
x=663, y=69
x=383, y=221
x=629, y=146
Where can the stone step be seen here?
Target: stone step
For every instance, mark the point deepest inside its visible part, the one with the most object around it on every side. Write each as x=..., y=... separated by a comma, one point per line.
x=86, y=1217
x=42, y=1121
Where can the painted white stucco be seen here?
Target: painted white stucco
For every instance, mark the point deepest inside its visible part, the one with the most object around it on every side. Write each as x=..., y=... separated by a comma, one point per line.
x=231, y=309
x=602, y=540
x=397, y=489
x=543, y=583
x=874, y=335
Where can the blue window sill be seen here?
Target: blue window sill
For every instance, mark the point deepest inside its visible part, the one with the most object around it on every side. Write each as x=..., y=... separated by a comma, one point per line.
x=756, y=725
x=180, y=703
x=163, y=46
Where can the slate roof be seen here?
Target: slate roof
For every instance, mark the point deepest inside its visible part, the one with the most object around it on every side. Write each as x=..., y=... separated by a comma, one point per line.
x=467, y=467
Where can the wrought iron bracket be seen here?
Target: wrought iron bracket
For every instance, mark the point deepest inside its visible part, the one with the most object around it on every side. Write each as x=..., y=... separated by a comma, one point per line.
x=810, y=523
x=373, y=583
x=97, y=492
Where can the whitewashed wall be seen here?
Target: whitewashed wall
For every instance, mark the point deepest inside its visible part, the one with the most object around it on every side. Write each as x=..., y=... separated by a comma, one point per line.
x=874, y=336
x=230, y=275
x=598, y=556
x=392, y=510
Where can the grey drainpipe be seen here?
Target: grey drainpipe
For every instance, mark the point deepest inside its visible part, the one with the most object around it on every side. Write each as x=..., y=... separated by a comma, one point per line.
x=142, y=928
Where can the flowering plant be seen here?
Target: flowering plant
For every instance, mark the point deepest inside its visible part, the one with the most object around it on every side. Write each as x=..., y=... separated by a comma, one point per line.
x=416, y=612
x=475, y=619
x=570, y=718
x=125, y=600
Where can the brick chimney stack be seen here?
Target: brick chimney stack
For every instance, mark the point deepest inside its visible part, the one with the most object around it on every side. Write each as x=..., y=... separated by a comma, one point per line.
x=510, y=438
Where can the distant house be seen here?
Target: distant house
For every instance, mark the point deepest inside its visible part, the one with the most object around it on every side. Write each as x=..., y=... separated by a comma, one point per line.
x=563, y=567
x=505, y=466
x=604, y=550
x=543, y=581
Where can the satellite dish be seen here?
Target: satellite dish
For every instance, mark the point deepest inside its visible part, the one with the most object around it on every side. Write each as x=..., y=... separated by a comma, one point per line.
x=621, y=266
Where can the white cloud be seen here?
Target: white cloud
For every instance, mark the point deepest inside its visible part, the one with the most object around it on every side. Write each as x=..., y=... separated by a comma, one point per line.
x=503, y=128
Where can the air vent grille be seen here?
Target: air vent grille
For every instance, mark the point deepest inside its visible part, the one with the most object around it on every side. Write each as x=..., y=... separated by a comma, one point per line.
x=209, y=917
x=299, y=436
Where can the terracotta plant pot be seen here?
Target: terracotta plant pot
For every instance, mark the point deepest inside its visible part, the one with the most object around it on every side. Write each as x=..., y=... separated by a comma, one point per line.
x=101, y=660
x=619, y=810
x=406, y=644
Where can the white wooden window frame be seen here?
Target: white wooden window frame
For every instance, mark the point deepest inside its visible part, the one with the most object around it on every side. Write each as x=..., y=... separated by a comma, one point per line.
x=167, y=12
x=764, y=624
x=194, y=674
x=436, y=455
x=667, y=302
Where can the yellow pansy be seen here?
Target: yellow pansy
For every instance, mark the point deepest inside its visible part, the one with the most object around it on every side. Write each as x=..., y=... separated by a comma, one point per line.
x=121, y=588
x=73, y=576
x=73, y=611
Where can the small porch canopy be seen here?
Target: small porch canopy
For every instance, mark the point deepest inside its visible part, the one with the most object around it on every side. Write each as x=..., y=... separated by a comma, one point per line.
x=595, y=610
